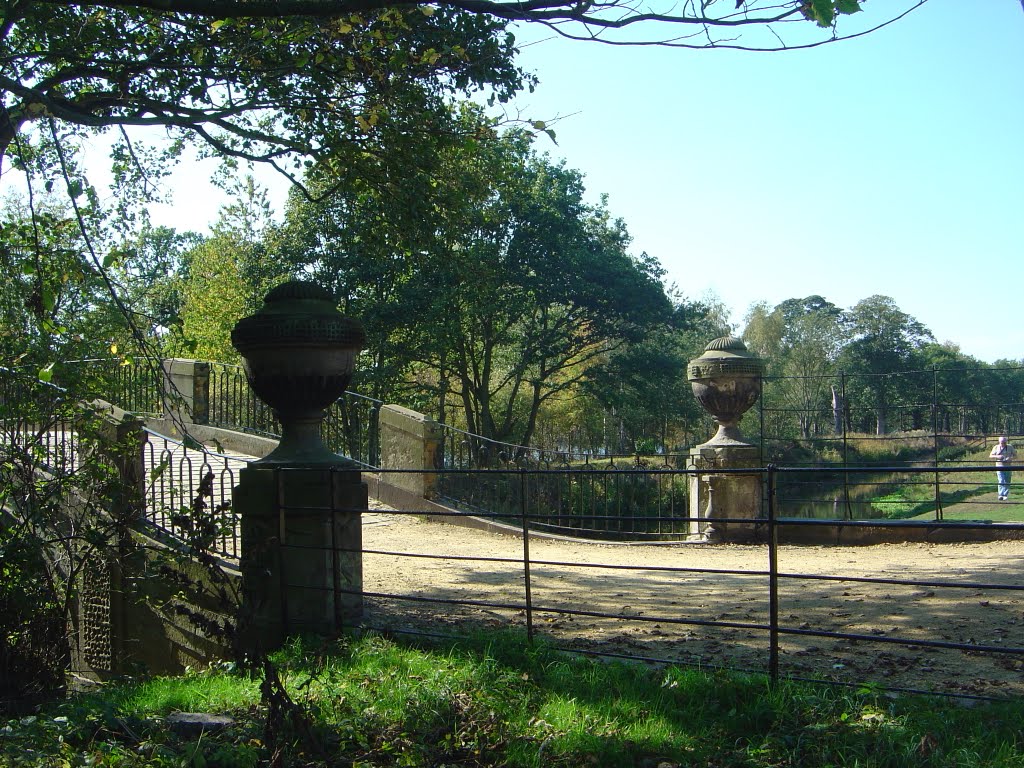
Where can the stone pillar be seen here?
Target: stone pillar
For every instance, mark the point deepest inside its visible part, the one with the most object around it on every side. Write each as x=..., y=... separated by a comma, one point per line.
x=300, y=506
x=101, y=635
x=186, y=389
x=730, y=495
x=410, y=440
x=726, y=380
x=301, y=563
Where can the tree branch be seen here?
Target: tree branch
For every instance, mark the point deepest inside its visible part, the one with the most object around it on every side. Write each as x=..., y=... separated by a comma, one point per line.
x=601, y=16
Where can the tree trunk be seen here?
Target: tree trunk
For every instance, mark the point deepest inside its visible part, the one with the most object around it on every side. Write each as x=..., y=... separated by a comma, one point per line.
x=837, y=412
x=8, y=130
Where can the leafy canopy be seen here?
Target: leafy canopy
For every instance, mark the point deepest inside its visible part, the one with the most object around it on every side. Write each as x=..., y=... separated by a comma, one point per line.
x=279, y=89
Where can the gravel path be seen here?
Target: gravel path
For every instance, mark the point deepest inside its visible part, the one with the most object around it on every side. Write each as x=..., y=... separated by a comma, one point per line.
x=660, y=594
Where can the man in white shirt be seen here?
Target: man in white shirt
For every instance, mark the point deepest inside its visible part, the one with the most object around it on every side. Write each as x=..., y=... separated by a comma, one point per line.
x=1003, y=454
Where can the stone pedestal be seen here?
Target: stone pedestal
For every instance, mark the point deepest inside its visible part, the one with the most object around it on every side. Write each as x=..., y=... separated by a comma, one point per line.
x=187, y=391
x=301, y=552
x=716, y=499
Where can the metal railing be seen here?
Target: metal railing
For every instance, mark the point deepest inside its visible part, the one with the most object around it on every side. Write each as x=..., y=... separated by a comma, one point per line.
x=661, y=603
x=893, y=625
x=233, y=404
x=188, y=494
x=827, y=418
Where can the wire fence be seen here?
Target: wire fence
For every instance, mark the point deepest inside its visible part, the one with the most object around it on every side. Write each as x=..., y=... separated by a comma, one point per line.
x=937, y=414
x=942, y=627
x=858, y=620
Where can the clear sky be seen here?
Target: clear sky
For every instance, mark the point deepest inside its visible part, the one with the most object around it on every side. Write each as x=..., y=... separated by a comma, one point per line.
x=889, y=164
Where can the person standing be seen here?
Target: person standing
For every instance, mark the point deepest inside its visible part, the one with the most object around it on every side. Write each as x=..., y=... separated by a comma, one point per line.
x=1003, y=453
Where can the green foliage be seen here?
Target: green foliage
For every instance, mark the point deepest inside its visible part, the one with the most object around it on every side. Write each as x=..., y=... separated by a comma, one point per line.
x=33, y=647
x=56, y=516
x=642, y=385
x=609, y=500
x=215, y=298
x=884, y=341
x=873, y=368
x=51, y=299
x=319, y=86
x=226, y=277
x=212, y=689
x=897, y=505
x=824, y=12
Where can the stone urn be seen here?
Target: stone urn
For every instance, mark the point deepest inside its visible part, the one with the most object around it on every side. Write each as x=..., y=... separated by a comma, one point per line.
x=726, y=381
x=299, y=353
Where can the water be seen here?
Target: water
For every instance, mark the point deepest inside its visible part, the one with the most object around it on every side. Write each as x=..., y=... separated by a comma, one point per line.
x=859, y=498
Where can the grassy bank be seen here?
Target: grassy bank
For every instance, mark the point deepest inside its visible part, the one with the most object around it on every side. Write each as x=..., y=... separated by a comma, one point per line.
x=498, y=702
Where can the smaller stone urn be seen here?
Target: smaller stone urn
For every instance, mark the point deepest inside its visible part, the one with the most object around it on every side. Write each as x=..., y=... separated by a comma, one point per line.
x=726, y=381
x=299, y=354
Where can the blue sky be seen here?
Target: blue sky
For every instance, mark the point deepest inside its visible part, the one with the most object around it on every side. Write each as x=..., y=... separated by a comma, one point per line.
x=889, y=164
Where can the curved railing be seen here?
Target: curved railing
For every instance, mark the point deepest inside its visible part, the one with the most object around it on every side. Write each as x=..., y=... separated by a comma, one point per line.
x=188, y=493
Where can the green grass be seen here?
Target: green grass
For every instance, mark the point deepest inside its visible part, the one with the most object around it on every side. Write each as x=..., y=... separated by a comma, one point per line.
x=498, y=701
x=966, y=496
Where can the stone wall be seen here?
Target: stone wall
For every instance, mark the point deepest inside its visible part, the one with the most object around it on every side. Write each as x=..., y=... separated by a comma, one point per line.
x=153, y=610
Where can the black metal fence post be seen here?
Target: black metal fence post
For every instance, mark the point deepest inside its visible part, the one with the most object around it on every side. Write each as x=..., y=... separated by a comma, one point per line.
x=773, y=579
x=526, y=553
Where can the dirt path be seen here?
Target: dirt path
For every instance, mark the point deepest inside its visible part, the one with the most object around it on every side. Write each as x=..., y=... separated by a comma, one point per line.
x=659, y=609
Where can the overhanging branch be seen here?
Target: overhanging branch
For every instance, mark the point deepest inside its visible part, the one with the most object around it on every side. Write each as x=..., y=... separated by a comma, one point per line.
x=594, y=17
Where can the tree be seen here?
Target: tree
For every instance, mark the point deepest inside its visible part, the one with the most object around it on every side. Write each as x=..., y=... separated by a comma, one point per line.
x=51, y=300
x=763, y=330
x=544, y=289
x=800, y=339
x=885, y=341
x=273, y=80
x=361, y=244
x=150, y=270
x=348, y=91
x=298, y=83
x=484, y=277
x=964, y=389
x=643, y=384
x=227, y=277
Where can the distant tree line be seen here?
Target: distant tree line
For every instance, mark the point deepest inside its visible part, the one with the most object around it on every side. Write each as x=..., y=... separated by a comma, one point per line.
x=873, y=368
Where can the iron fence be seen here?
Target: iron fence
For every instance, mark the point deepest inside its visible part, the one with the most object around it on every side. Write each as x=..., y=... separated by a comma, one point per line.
x=784, y=610
x=940, y=416
x=465, y=450
x=893, y=625
x=37, y=424
x=850, y=418
x=137, y=386
x=624, y=504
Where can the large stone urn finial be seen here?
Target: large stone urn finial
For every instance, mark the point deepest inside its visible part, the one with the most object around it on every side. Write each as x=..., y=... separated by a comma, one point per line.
x=299, y=354
x=726, y=381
